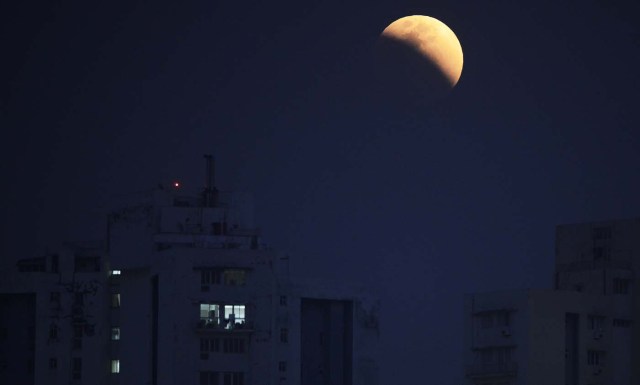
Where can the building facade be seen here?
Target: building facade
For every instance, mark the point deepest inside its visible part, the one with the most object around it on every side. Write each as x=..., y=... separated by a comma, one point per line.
x=183, y=292
x=581, y=332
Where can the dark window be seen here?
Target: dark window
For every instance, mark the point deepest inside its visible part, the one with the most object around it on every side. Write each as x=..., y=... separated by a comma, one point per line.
x=601, y=233
x=54, y=297
x=595, y=357
x=621, y=286
x=31, y=265
x=204, y=348
x=53, y=363
x=209, y=378
x=209, y=277
x=596, y=322
x=622, y=323
x=234, y=277
x=601, y=252
x=233, y=378
x=282, y=366
x=78, y=299
x=83, y=264
x=283, y=300
x=284, y=335
x=53, y=332
x=76, y=368
x=54, y=263
x=233, y=345
x=214, y=345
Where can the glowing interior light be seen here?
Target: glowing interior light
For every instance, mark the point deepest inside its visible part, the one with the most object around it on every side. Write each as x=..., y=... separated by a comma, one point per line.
x=176, y=184
x=116, y=272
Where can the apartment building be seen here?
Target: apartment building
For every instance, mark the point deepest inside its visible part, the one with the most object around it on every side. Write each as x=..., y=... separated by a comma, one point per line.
x=183, y=292
x=581, y=332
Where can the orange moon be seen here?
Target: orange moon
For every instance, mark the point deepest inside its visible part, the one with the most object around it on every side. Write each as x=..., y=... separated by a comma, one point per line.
x=419, y=56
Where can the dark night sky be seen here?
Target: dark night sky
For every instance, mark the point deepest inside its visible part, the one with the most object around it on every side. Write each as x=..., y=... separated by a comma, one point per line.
x=103, y=99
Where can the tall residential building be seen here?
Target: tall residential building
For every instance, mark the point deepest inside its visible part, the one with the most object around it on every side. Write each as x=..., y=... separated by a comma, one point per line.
x=581, y=332
x=183, y=292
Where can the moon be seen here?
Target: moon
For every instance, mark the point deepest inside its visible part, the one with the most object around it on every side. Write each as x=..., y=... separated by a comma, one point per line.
x=419, y=58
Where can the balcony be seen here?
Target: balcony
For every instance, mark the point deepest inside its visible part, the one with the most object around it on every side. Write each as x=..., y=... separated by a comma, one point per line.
x=209, y=325
x=500, y=369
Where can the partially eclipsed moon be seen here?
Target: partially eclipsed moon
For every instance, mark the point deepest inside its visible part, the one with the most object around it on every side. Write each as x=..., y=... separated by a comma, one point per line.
x=419, y=55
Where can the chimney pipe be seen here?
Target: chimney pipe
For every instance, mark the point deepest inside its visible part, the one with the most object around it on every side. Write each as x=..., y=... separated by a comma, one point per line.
x=210, y=191
x=208, y=176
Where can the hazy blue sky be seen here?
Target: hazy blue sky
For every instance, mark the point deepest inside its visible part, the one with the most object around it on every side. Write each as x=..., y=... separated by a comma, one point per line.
x=110, y=98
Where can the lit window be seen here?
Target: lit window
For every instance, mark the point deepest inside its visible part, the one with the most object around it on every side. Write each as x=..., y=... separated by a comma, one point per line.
x=115, y=300
x=115, y=334
x=222, y=316
x=115, y=366
x=234, y=315
x=116, y=272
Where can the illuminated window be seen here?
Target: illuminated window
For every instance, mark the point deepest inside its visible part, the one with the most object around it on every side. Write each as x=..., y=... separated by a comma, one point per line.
x=115, y=300
x=115, y=334
x=234, y=316
x=115, y=272
x=210, y=315
x=222, y=316
x=115, y=366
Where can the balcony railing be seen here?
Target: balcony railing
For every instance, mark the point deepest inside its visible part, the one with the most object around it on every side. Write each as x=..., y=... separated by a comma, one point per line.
x=594, y=264
x=494, y=369
x=223, y=325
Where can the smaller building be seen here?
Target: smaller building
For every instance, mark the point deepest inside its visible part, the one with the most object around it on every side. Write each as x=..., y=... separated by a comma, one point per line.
x=545, y=337
x=582, y=332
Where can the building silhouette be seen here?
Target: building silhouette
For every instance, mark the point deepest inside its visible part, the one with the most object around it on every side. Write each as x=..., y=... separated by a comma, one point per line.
x=583, y=331
x=182, y=292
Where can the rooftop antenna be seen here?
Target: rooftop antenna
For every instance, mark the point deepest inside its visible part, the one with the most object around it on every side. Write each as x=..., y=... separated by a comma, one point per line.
x=210, y=191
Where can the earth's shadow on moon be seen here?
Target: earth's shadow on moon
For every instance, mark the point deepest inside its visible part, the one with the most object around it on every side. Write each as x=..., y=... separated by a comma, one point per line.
x=405, y=81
